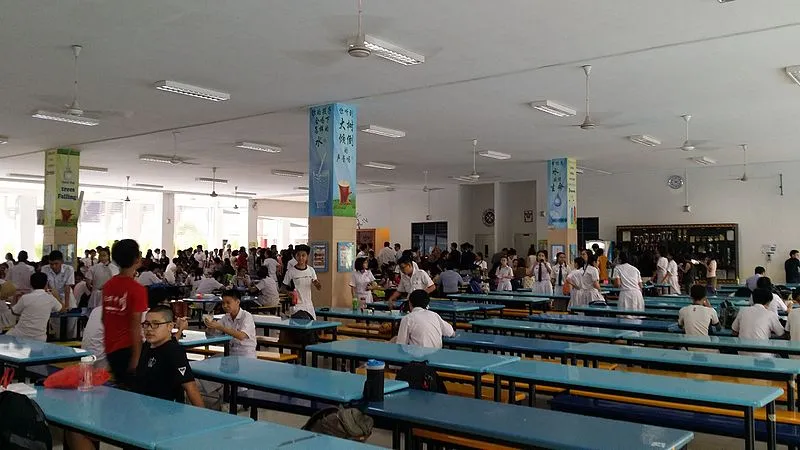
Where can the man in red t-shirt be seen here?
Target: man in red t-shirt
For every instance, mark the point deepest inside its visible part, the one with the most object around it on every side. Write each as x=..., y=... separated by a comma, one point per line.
x=124, y=301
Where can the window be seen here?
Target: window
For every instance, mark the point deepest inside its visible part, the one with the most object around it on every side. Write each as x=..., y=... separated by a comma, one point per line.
x=427, y=235
x=588, y=229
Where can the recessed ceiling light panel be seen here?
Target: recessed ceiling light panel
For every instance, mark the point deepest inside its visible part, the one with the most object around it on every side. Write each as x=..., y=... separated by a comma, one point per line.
x=551, y=107
x=287, y=173
x=66, y=118
x=494, y=155
x=192, y=91
x=644, y=139
x=149, y=186
x=3, y=140
x=259, y=147
x=25, y=176
x=392, y=52
x=703, y=161
x=380, y=165
x=383, y=131
x=94, y=169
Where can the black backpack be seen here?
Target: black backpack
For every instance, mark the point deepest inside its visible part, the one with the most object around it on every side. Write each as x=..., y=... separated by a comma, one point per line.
x=341, y=422
x=420, y=376
x=727, y=314
x=23, y=426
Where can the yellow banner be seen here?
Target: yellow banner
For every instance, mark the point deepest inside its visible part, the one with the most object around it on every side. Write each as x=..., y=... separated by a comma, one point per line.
x=61, y=188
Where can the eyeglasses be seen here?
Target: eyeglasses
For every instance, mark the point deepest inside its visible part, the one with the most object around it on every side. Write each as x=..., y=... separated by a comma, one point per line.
x=152, y=325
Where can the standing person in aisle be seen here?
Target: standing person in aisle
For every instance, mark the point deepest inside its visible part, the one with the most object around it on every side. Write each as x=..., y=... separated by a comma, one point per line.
x=662, y=264
x=61, y=281
x=124, y=301
x=412, y=278
x=561, y=271
x=575, y=283
x=386, y=255
x=362, y=281
x=602, y=263
x=542, y=273
x=504, y=275
x=303, y=277
x=590, y=283
x=672, y=274
x=689, y=273
x=792, y=267
x=711, y=272
x=629, y=280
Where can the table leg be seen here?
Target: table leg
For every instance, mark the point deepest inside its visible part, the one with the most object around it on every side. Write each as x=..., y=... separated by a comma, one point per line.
x=409, y=438
x=234, y=392
x=512, y=390
x=62, y=328
x=498, y=386
x=478, y=386
x=302, y=355
x=531, y=394
x=314, y=360
x=749, y=429
x=771, y=428
x=396, y=437
x=226, y=349
x=791, y=391
x=335, y=333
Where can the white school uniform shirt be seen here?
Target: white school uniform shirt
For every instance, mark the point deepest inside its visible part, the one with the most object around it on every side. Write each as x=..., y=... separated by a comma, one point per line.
x=481, y=264
x=303, y=280
x=661, y=269
x=564, y=270
x=148, y=278
x=423, y=328
x=712, y=269
x=777, y=304
x=272, y=268
x=360, y=280
x=752, y=282
x=20, y=275
x=59, y=281
x=504, y=277
x=244, y=323
x=672, y=270
x=93, y=335
x=793, y=323
x=386, y=256
x=695, y=319
x=200, y=257
x=292, y=262
x=206, y=285
x=34, y=310
x=419, y=279
x=759, y=323
x=547, y=271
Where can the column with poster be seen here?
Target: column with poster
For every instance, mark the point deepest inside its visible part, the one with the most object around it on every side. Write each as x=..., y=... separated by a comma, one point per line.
x=332, y=195
x=62, y=202
x=562, y=209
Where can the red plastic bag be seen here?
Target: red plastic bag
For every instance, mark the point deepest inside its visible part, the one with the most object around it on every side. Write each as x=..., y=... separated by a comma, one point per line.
x=70, y=377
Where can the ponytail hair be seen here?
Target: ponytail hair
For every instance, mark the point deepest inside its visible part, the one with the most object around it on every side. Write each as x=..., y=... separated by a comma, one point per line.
x=579, y=262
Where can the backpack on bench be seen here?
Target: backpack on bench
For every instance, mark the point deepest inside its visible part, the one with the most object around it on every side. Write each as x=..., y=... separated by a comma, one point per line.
x=341, y=422
x=420, y=376
x=23, y=425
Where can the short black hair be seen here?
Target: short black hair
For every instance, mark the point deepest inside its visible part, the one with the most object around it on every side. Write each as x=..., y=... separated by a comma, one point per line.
x=56, y=255
x=419, y=299
x=232, y=293
x=263, y=272
x=764, y=283
x=125, y=253
x=39, y=280
x=697, y=292
x=559, y=254
x=624, y=258
x=405, y=260
x=22, y=256
x=386, y=244
x=794, y=252
x=762, y=296
x=760, y=270
x=359, y=263
x=302, y=248
x=579, y=262
x=165, y=312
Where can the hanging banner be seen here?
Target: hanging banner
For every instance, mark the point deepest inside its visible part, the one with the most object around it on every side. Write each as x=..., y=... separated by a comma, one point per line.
x=61, y=188
x=562, y=193
x=332, y=160
x=572, y=194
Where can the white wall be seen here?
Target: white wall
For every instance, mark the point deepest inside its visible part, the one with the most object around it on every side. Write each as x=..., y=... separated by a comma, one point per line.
x=475, y=199
x=644, y=199
x=271, y=208
x=398, y=209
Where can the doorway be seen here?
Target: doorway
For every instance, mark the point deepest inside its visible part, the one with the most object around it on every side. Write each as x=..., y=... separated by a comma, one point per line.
x=485, y=243
x=523, y=241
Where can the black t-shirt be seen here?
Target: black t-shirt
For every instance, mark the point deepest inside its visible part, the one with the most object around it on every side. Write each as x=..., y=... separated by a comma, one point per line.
x=162, y=371
x=792, y=267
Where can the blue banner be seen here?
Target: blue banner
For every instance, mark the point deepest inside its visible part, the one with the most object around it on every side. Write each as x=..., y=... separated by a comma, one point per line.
x=332, y=160
x=557, y=211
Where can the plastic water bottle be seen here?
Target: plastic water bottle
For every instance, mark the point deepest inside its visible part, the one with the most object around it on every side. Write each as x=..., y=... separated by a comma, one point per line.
x=375, y=380
x=86, y=382
x=355, y=303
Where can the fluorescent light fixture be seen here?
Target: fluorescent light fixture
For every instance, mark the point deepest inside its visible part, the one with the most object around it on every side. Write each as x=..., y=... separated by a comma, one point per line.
x=551, y=107
x=259, y=147
x=66, y=118
x=246, y=194
x=392, y=52
x=794, y=73
x=192, y=91
x=703, y=161
x=644, y=139
x=211, y=180
x=494, y=155
x=150, y=186
x=94, y=169
x=302, y=188
x=380, y=165
x=580, y=169
x=287, y=173
x=25, y=176
x=383, y=131
x=3, y=140
x=155, y=158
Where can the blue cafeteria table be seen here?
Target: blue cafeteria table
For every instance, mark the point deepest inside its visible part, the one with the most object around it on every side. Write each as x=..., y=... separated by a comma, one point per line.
x=528, y=328
x=603, y=322
x=358, y=314
x=512, y=344
x=605, y=311
x=507, y=300
x=775, y=369
x=289, y=379
x=21, y=353
x=779, y=346
x=127, y=419
x=309, y=326
x=517, y=426
x=744, y=397
x=468, y=363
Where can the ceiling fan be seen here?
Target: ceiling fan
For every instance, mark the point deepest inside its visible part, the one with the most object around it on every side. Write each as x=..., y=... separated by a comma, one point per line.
x=73, y=112
x=689, y=145
x=474, y=175
x=426, y=188
x=213, y=182
x=744, y=176
x=235, y=197
x=174, y=159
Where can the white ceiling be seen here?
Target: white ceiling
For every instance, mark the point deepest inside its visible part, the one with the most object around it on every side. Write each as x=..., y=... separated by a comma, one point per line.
x=653, y=60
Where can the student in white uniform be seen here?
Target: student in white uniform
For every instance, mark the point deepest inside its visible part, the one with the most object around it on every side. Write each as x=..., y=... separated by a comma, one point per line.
x=93, y=338
x=268, y=294
x=422, y=327
x=697, y=317
x=629, y=280
x=574, y=282
x=236, y=323
x=757, y=322
x=777, y=304
x=672, y=275
x=272, y=265
x=97, y=276
x=542, y=273
x=206, y=285
x=20, y=273
x=303, y=276
x=34, y=310
x=504, y=275
x=662, y=265
x=711, y=271
x=61, y=280
x=412, y=278
x=590, y=282
x=793, y=323
x=560, y=272
x=362, y=281
x=147, y=277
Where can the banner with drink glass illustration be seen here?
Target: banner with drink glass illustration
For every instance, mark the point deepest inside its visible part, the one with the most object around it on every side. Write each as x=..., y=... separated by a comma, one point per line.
x=562, y=193
x=332, y=160
x=61, y=188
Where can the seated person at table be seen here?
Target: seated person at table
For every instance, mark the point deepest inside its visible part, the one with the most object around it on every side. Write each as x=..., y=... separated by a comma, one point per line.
x=696, y=318
x=751, y=282
x=777, y=304
x=267, y=289
x=757, y=322
x=450, y=280
x=207, y=284
x=242, y=280
x=236, y=323
x=793, y=320
x=162, y=372
x=412, y=278
x=422, y=327
x=147, y=277
x=34, y=310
